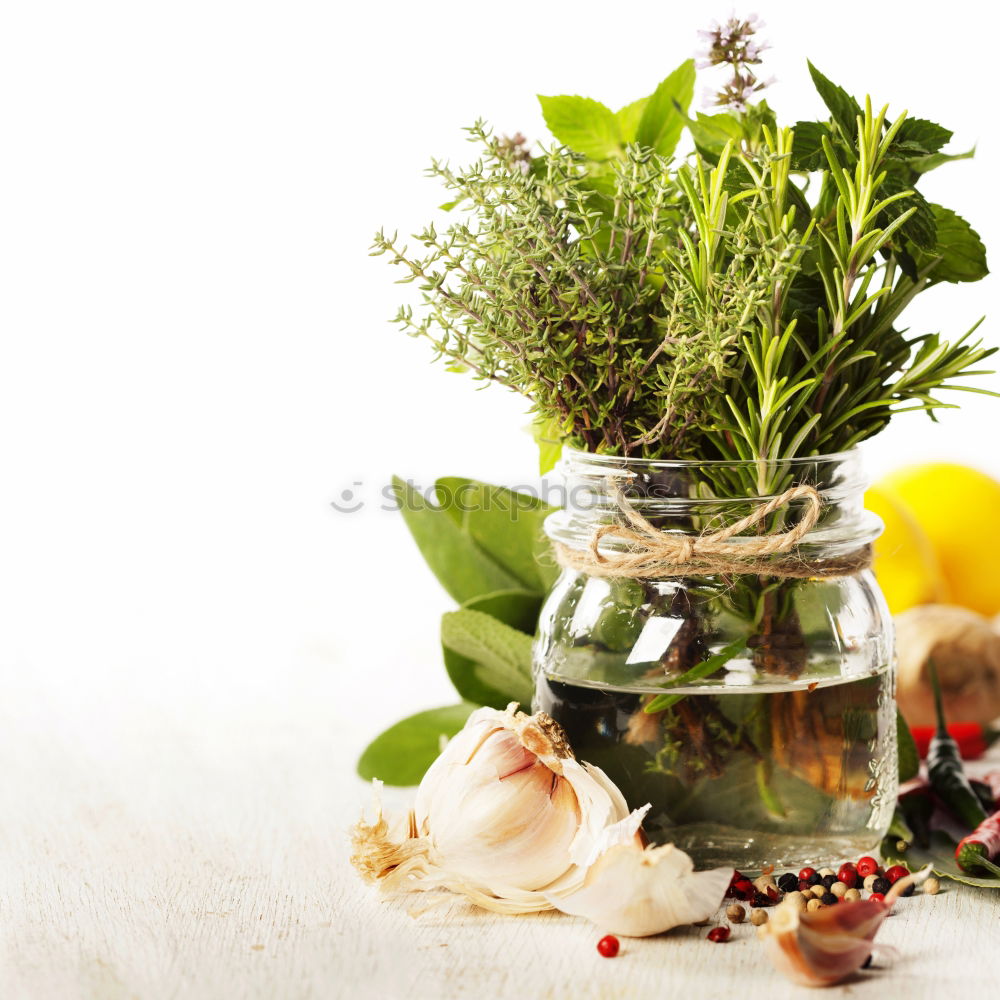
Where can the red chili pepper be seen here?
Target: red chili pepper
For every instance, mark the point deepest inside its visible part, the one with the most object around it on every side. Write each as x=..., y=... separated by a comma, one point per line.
x=981, y=846
x=972, y=738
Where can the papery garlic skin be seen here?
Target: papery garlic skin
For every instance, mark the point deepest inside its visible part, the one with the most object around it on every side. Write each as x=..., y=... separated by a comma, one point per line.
x=637, y=892
x=504, y=812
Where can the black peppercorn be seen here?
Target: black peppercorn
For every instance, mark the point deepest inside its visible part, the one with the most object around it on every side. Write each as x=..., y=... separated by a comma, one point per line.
x=828, y=880
x=882, y=885
x=788, y=882
x=828, y=899
x=815, y=878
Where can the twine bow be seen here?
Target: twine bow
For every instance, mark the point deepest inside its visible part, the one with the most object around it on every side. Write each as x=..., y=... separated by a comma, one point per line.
x=655, y=554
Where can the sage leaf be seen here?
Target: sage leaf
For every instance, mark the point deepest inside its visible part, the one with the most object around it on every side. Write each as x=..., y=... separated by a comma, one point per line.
x=402, y=754
x=461, y=566
x=665, y=114
x=504, y=524
x=959, y=251
x=489, y=660
x=906, y=750
x=583, y=124
x=517, y=608
x=842, y=107
x=473, y=679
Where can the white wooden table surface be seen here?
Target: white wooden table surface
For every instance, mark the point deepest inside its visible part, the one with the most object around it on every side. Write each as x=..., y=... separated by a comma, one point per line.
x=193, y=845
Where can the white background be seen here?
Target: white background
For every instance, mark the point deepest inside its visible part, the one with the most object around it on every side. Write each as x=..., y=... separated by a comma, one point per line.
x=196, y=354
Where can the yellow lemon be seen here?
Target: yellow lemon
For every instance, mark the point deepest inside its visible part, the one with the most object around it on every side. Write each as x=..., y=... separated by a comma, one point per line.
x=958, y=509
x=905, y=564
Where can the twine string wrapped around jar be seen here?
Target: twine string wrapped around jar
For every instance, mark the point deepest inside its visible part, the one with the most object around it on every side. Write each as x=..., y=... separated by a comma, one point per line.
x=650, y=553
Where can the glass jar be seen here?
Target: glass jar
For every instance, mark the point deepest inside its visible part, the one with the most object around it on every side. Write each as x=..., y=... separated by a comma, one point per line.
x=755, y=712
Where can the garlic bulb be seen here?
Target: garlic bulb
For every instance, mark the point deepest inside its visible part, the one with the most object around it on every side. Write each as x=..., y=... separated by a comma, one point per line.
x=637, y=891
x=508, y=818
x=503, y=813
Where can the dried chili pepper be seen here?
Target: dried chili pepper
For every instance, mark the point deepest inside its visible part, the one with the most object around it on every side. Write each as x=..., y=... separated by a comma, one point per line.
x=973, y=739
x=944, y=768
x=981, y=846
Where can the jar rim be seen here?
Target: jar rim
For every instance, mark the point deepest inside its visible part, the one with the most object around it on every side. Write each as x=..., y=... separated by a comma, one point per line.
x=838, y=479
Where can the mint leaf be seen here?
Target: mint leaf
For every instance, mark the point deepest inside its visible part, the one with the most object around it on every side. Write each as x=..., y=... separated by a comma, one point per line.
x=922, y=136
x=921, y=227
x=629, y=117
x=487, y=659
x=906, y=750
x=548, y=435
x=402, y=754
x=958, y=249
x=712, y=132
x=585, y=125
x=807, y=146
x=664, y=116
x=461, y=566
x=843, y=108
x=924, y=164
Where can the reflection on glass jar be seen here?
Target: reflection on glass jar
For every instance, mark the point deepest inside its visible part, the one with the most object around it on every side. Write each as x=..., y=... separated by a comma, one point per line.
x=755, y=710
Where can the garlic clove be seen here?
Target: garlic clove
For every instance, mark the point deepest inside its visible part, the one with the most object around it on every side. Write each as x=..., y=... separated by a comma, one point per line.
x=515, y=830
x=636, y=891
x=822, y=947
x=825, y=946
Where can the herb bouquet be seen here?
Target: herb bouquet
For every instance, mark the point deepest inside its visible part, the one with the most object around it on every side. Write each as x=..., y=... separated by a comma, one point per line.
x=708, y=335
